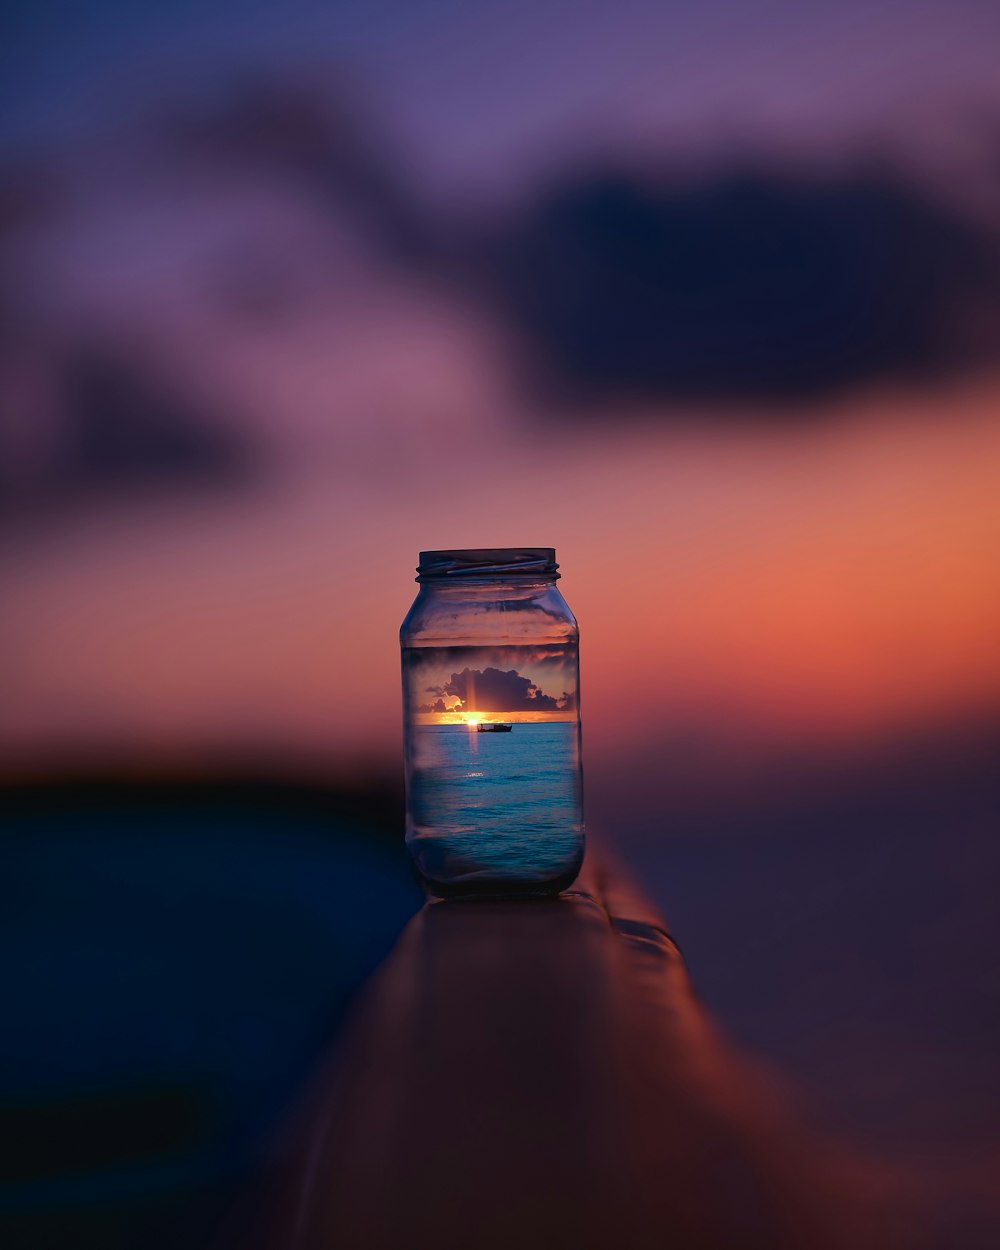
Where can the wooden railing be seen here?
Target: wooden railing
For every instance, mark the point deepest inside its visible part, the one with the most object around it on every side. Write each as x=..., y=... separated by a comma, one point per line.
x=541, y=1074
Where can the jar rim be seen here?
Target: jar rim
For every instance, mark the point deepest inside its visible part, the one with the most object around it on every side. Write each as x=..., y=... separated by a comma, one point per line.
x=488, y=562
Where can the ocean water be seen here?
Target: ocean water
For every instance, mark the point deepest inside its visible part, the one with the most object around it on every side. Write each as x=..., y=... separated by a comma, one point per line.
x=495, y=809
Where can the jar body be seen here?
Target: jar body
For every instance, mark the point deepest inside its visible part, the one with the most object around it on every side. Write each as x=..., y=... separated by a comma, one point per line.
x=492, y=733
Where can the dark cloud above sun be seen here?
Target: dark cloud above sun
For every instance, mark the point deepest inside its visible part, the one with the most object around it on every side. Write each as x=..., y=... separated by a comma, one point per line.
x=494, y=690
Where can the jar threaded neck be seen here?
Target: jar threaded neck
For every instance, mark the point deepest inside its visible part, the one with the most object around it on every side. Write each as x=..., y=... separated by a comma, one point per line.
x=488, y=562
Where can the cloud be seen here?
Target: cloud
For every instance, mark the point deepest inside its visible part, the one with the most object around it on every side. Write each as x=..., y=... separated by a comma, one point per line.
x=303, y=134
x=121, y=426
x=494, y=690
x=747, y=285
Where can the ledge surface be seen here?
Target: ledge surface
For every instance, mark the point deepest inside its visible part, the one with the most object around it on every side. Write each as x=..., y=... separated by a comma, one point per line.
x=541, y=1074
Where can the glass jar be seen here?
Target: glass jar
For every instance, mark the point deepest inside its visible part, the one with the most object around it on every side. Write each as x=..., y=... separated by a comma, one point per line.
x=491, y=713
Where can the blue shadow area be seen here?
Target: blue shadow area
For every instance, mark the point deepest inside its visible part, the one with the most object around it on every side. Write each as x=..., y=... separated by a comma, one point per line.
x=175, y=966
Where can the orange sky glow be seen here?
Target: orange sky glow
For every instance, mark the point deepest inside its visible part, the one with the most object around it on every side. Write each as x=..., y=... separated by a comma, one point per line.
x=488, y=718
x=820, y=584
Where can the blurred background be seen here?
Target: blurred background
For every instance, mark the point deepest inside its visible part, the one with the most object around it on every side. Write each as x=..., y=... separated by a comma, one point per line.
x=706, y=296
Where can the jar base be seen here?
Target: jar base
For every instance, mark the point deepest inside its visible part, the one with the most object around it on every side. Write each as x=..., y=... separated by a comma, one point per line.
x=497, y=888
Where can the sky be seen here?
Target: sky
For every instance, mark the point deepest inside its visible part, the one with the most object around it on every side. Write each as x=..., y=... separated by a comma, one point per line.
x=823, y=573
x=480, y=95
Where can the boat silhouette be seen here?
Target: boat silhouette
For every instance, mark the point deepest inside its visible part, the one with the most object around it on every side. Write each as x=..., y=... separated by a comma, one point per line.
x=496, y=727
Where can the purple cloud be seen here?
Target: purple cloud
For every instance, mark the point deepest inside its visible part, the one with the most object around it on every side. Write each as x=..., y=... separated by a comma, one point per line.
x=494, y=690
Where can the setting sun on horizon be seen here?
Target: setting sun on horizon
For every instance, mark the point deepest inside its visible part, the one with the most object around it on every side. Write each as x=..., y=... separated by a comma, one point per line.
x=472, y=719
